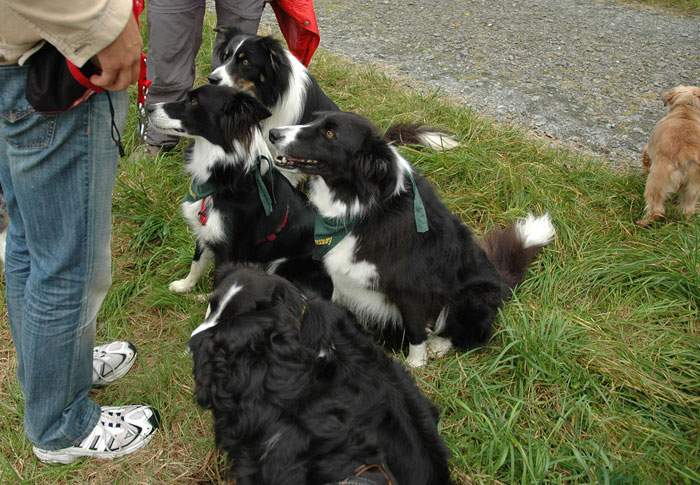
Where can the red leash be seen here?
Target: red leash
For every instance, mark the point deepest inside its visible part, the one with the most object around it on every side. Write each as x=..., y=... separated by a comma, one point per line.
x=143, y=84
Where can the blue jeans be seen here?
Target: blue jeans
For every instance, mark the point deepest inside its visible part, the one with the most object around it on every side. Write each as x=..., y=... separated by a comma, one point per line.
x=58, y=173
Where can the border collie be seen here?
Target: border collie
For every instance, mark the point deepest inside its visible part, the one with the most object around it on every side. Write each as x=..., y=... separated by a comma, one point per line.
x=299, y=395
x=396, y=255
x=242, y=209
x=263, y=67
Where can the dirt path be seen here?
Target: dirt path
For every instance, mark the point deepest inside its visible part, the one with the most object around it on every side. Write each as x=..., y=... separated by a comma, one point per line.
x=588, y=73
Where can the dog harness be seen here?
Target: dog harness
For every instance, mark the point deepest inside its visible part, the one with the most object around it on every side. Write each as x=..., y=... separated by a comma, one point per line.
x=273, y=235
x=201, y=192
x=264, y=195
x=204, y=192
x=329, y=231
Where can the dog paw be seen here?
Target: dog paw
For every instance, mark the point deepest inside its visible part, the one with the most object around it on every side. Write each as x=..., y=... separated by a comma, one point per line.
x=439, y=346
x=181, y=286
x=416, y=363
x=417, y=355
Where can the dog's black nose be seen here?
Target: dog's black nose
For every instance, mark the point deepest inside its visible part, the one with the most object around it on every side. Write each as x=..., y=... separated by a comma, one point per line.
x=214, y=79
x=275, y=135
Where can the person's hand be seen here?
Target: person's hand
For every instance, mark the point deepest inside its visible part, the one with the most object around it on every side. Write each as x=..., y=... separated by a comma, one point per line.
x=120, y=60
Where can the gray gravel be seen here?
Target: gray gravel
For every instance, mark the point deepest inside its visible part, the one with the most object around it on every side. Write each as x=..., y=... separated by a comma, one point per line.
x=586, y=73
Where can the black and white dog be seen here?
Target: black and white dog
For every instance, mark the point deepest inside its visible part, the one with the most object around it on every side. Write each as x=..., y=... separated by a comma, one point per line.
x=395, y=253
x=263, y=67
x=299, y=395
x=241, y=208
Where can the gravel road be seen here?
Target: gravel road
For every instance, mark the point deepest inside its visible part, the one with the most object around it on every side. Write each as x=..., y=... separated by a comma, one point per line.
x=585, y=73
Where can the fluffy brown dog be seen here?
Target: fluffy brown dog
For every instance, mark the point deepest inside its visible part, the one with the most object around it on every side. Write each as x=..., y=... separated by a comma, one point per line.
x=672, y=157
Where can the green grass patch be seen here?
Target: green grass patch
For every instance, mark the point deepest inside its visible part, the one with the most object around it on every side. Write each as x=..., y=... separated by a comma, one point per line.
x=683, y=6
x=593, y=374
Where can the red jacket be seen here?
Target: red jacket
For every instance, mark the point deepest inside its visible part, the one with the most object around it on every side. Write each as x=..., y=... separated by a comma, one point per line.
x=297, y=21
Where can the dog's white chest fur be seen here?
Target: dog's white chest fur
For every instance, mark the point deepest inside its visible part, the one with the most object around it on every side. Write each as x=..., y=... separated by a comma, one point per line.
x=355, y=285
x=212, y=231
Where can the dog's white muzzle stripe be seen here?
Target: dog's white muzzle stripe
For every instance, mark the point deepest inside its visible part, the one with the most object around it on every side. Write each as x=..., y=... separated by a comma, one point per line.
x=214, y=320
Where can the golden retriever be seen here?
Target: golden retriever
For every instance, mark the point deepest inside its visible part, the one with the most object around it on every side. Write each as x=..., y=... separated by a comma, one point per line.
x=671, y=159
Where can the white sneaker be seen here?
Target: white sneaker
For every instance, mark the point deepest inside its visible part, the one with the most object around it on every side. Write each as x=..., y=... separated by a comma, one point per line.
x=121, y=430
x=112, y=361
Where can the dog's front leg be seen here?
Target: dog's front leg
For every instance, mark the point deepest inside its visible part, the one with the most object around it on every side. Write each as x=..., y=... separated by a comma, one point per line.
x=200, y=262
x=414, y=321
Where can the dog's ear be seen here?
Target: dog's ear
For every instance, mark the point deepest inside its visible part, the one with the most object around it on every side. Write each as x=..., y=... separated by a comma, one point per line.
x=224, y=34
x=244, y=106
x=669, y=97
x=281, y=295
x=273, y=48
x=241, y=113
x=255, y=109
x=375, y=160
x=682, y=95
x=287, y=296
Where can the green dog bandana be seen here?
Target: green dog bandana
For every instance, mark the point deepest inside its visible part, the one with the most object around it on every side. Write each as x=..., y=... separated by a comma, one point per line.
x=329, y=231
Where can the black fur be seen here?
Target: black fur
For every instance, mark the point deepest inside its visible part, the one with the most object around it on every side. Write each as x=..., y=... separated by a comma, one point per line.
x=299, y=395
x=228, y=119
x=261, y=66
x=420, y=273
x=267, y=72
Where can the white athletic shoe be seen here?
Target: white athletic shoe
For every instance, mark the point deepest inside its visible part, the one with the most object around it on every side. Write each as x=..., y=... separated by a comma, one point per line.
x=121, y=430
x=111, y=361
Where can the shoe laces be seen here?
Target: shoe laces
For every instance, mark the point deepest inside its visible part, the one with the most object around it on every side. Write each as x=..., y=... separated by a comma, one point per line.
x=100, y=357
x=113, y=430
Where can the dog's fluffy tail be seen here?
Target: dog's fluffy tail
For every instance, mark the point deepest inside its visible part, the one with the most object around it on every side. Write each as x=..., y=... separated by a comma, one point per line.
x=414, y=134
x=511, y=250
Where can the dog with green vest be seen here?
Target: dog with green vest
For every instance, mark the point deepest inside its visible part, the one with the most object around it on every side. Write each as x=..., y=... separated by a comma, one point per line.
x=240, y=208
x=396, y=255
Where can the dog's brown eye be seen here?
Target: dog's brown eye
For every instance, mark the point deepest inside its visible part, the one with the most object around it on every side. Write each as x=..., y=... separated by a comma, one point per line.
x=330, y=134
x=245, y=62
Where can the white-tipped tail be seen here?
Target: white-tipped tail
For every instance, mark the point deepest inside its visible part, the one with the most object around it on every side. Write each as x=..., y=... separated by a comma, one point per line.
x=437, y=141
x=535, y=231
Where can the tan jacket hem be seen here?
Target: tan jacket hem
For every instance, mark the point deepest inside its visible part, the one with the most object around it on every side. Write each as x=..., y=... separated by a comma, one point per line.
x=79, y=29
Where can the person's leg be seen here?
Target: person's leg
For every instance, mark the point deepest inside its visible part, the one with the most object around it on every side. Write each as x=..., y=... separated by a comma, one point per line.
x=16, y=265
x=243, y=14
x=174, y=37
x=58, y=172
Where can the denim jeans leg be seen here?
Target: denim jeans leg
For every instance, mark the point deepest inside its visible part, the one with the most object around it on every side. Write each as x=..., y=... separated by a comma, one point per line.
x=59, y=171
x=16, y=260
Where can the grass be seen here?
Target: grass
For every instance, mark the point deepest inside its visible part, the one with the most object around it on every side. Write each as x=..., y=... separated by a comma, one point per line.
x=593, y=375
x=683, y=6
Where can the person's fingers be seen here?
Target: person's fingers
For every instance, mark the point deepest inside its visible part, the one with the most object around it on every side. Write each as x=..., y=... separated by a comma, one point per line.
x=120, y=60
x=123, y=81
x=105, y=78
